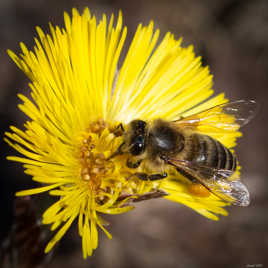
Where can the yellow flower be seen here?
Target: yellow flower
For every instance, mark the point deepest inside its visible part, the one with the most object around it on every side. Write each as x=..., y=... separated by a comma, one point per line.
x=79, y=95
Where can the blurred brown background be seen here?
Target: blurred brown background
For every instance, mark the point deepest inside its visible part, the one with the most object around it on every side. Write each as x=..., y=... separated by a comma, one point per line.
x=232, y=38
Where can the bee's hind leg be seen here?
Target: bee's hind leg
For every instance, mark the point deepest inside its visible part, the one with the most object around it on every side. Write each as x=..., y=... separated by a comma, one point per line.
x=155, y=194
x=132, y=198
x=152, y=177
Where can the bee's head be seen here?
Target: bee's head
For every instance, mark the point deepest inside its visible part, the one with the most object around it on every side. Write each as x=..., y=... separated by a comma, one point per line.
x=137, y=137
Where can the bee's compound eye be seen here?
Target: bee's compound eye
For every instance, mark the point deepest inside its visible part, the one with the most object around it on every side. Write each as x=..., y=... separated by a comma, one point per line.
x=137, y=145
x=139, y=141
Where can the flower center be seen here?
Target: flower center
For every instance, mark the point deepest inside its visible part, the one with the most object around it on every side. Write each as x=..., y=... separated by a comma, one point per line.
x=95, y=165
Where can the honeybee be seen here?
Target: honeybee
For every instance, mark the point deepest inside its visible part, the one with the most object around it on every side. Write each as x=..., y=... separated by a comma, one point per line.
x=203, y=160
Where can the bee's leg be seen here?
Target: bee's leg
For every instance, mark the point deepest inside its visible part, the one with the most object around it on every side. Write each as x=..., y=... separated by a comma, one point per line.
x=152, y=177
x=118, y=130
x=133, y=164
x=121, y=127
x=150, y=195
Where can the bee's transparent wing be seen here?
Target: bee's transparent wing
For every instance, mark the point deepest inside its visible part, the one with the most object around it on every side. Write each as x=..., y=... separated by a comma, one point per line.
x=215, y=180
x=228, y=116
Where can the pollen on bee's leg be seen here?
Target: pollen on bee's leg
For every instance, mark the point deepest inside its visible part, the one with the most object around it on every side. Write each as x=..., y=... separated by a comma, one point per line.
x=198, y=190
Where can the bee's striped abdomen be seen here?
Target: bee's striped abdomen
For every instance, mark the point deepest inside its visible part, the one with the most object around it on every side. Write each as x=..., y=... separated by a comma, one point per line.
x=210, y=152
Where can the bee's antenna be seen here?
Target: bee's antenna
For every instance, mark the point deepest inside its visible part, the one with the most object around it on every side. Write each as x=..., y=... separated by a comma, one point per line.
x=117, y=152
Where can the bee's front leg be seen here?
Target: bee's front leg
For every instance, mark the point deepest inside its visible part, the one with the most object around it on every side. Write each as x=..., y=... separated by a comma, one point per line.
x=131, y=164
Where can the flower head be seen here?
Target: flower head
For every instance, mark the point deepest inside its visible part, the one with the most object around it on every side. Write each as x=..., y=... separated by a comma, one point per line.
x=80, y=95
